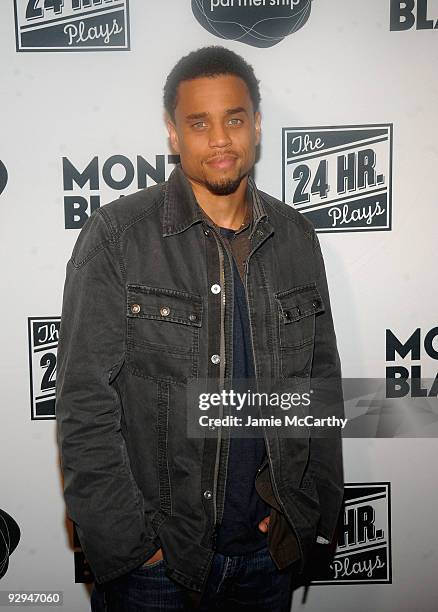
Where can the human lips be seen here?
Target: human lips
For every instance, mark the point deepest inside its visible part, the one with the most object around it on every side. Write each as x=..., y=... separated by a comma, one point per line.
x=222, y=162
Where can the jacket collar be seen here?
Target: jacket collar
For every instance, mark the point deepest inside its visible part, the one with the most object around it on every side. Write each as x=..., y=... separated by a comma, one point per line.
x=181, y=210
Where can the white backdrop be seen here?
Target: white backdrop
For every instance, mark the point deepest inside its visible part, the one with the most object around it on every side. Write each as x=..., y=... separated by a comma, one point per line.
x=344, y=67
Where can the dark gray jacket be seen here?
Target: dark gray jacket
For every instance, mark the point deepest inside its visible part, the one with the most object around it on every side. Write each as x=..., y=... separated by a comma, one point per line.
x=139, y=319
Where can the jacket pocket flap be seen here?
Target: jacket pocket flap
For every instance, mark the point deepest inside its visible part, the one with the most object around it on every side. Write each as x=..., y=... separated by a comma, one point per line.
x=161, y=304
x=300, y=302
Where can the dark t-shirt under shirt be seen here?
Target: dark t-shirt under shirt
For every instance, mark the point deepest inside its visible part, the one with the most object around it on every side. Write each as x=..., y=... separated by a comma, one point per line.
x=244, y=508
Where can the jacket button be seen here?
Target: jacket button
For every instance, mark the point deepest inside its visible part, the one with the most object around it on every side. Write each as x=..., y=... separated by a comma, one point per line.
x=208, y=494
x=165, y=311
x=135, y=308
x=215, y=359
x=315, y=304
x=192, y=317
x=286, y=315
x=207, y=232
x=215, y=288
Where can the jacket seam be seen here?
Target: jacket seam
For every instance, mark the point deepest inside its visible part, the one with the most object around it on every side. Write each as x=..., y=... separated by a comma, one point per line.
x=91, y=254
x=115, y=236
x=136, y=372
x=145, y=213
x=116, y=243
x=295, y=289
x=308, y=233
x=107, y=220
x=94, y=250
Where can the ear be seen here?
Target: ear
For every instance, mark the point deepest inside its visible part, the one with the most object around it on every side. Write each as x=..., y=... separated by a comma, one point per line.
x=173, y=135
x=258, y=126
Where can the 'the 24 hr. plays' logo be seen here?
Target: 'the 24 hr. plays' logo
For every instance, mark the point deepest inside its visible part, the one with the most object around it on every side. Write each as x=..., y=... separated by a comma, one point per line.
x=43, y=345
x=72, y=25
x=339, y=177
x=363, y=553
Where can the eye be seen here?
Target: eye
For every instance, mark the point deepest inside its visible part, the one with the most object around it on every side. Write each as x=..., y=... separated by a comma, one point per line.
x=199, y=125
x=235, y=121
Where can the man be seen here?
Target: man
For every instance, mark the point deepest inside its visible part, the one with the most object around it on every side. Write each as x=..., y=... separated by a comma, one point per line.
x=201, y=278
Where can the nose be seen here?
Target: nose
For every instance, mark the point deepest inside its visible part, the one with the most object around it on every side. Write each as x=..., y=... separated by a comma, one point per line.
x=219, y=136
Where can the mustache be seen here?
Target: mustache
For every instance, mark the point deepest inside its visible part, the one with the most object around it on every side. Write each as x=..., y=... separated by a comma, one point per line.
x=223, y=155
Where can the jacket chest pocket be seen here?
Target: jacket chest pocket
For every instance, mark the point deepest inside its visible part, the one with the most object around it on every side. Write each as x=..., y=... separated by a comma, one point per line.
x=163, y=332
x=297, y=309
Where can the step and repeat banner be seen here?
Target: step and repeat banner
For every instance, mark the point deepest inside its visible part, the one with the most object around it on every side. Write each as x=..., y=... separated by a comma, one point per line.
x=349, y=138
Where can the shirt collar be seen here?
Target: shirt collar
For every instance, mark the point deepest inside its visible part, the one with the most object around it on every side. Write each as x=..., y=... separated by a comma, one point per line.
x=181, y=210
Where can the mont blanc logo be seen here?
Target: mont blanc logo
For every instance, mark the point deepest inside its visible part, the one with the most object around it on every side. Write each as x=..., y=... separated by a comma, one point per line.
x=9, y=538
x=407, y=355
x=260, y=23
x=87, y=183
x=363, y=553
x=43, y=346
x=72, y=25
x=3, y=177
x=410, y=13
x=340, y=177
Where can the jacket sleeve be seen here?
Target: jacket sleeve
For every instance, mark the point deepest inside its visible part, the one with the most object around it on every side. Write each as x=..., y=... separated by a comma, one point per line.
x=326, y=463
x=101, y=495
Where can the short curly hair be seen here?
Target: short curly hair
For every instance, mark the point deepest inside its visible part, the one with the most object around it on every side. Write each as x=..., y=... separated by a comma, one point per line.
x=209, y=62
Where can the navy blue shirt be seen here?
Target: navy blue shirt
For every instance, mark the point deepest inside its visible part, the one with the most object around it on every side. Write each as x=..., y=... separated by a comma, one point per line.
x=244, y=508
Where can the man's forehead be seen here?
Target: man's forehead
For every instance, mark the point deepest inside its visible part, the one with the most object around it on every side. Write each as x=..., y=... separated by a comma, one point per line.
x=205, y=94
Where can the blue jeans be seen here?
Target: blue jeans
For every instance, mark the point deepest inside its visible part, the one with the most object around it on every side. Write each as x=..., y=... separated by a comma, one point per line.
x=249, y=582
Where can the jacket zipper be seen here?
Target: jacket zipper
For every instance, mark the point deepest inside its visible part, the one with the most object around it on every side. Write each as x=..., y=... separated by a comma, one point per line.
x=222, y=365
x=221, y=245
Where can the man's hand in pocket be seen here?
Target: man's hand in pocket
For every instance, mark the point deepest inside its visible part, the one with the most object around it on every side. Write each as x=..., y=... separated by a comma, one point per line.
x=157, y=556
x=264, y=524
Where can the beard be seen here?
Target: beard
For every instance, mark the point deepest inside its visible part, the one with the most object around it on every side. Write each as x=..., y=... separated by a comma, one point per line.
x=225, y=187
